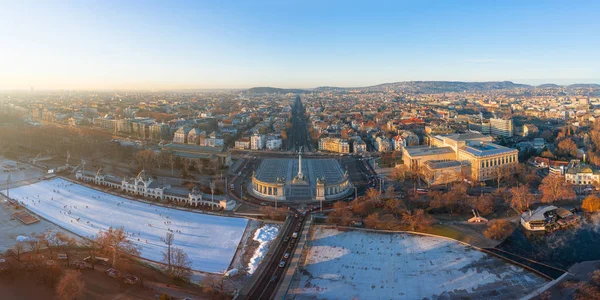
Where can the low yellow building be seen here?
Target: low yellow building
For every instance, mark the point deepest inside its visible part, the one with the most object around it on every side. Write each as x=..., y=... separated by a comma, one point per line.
x=474, y=149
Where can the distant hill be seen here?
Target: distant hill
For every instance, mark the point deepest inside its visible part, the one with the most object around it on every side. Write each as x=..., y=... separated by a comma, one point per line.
x=426, y=87
x=434, y=86
x=584, y=86
x=272, y=90
x=548, y=86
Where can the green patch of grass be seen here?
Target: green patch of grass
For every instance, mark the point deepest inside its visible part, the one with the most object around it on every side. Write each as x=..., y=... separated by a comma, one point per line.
x=448, y=232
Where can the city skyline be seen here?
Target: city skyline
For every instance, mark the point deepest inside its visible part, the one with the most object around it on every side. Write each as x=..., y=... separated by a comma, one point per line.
x=160, y=46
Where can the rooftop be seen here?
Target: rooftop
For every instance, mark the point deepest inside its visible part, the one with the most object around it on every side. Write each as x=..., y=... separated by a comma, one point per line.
x=271, y=169
x=537, y=214
x=464, y=136
x=193, y=148
x=425, y=150
x=439, y=164
x=484, y=149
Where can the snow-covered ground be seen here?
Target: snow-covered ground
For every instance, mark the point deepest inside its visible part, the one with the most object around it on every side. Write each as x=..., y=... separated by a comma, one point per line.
x=365, y=265
x=210, y=241
x=11, y=228
x=263, y=236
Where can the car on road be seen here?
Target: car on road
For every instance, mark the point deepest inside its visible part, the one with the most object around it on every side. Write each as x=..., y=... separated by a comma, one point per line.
x=113, y=273
x=282, y=264
x=263, y=204
x=286, y=239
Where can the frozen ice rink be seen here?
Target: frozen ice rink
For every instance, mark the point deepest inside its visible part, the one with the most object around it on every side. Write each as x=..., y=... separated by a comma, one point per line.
x=366, y=265
x=210, y=241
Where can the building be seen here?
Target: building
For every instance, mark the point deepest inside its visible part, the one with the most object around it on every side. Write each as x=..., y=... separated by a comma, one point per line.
x=258, y=141
x=217, y=157
x=382, y=144
x=536, y=220
x=359, y=146
x=300, y=180
x=557, y=168
x=474, y=149
x=548, y=218
x=159, y=131
x=274, y=142
x=438, y=172
x=414, y=157
x=215, y=139
x=140, y=127
x=487, y=159
x=196, y=137
x=501, y=127
x=578, y=173
x=242, y=144
x=404, y=139
x=336, y=145
x=181, y=134
x=144, y=185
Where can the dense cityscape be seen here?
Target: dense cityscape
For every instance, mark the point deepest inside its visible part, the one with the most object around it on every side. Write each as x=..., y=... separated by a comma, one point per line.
x=299, y=150
x=487, y=164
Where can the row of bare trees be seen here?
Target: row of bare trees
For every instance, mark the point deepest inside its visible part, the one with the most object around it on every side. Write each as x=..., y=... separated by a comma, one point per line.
x=393, y=216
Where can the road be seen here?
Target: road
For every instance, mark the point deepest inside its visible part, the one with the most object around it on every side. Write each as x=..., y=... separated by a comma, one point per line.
x=298, y=135
x=264, y=282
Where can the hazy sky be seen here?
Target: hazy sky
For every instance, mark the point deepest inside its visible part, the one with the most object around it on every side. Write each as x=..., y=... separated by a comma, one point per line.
x=237, y=44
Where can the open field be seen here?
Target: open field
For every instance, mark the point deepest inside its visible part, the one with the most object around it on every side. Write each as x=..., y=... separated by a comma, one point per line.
x=210, y=241
x=366, y=265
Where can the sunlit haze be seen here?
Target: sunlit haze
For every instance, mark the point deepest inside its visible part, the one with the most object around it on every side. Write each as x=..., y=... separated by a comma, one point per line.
x=293, y=44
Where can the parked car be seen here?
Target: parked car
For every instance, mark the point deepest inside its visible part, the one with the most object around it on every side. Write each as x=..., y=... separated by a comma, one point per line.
x=130, y=279
x=282, y=264
x=273, y=279
x=286, y=239
x=286, y=255
x=114, y=273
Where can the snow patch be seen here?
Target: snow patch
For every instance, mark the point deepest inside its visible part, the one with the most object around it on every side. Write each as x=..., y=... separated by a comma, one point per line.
x=263, y=236
x=22, y=238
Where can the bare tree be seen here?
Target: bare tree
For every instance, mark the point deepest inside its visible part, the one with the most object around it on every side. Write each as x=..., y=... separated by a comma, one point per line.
x=167, y=257
x=70, y=285
x=115, y=241
x=214, y=285
x=91, y=247
x=212, y=190
x=180, y=263
x=417, y=219
x=501, y=173
x=372, y=194
x=520, y=199
x=16, y=251
x=555, y=188
x=35, y=243
x=199, y=165
x=498, y=229
x=146, y=158
x=400, y=173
